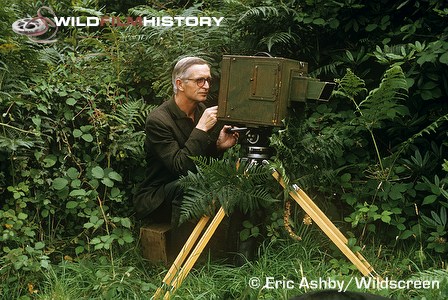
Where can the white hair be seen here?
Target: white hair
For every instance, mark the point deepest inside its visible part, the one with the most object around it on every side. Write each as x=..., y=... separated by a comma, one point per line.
x=183, y=65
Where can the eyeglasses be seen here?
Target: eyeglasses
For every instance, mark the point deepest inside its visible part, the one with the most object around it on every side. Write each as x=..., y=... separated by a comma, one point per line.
x=201, y=81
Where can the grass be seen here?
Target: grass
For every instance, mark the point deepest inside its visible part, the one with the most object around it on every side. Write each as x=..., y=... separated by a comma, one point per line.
x=289, y=261
x=286, y=261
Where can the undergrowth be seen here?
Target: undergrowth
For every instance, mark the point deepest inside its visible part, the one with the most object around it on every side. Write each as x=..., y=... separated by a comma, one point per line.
x=285, y=268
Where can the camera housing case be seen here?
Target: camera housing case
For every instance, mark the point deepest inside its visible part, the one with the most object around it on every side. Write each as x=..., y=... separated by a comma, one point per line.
x=256, y=91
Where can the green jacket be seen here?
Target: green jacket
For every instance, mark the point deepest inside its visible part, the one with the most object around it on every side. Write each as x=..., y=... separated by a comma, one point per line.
x=171, y=138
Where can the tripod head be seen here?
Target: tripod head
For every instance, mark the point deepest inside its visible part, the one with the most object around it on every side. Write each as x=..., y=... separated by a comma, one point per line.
x=255, y=95
x=255, y=141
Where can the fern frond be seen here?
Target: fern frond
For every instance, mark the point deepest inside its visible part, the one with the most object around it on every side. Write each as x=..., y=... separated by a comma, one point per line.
x=195, y=205
x=132, y=113
x=131, y=141
x=13, y=138
x=382, y=102
x=265, y=11
x=277, y=38
x=204, y=163
x=198, y=197
x=13, y=144
x=393, y=86
x=221, y=182
x=350, y=85
x=427, y=130
x=51, y=56
x=331, y=68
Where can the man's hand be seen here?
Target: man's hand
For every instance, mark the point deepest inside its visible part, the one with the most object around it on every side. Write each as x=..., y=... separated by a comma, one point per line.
x=208, y=119
x=226, y=139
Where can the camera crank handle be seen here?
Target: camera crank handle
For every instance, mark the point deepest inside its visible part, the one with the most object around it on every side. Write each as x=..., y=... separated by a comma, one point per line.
x=236, y=129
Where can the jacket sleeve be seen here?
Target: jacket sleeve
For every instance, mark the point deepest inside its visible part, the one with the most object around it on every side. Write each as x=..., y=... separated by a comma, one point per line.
x=163, y=138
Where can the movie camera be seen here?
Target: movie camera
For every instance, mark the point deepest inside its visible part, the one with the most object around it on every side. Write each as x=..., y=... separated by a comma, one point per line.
x=256, y=92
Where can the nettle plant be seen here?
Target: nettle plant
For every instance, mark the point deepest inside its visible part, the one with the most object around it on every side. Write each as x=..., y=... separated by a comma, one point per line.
x=71, y=152
x=396, y=194
x=346, y=153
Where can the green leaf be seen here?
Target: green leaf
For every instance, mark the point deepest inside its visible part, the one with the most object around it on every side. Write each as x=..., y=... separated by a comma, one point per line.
x=79, y=250
x=307, y=20
x=76, y=183
x=255, y=231
x=247, y=224
x=68, y=115
x=107, y=182
x=401, y=227
x=88, y=225
x=98, y=172
x=319, y=21
x=244, y=234
x=114, y=192
x=115, y=176
x=87, y=137
x=42, y=108
x=334, y=23
x=86, y=128
x=44, y=263
x=71, y=204
x=70, y=101
x=351, y=242
x=22, y=216
x=128, y=238
x=95, y=241
x=429, y=221
x=39, y=245
x=371, y=27
x=72, y=173
x=50, y=160
x=94, y=183
x=44, y=213
x=429, y=199
x=125, y=222
x=78, y=192
x=443, y=216
x=76, y=94
x=386, y=219
x=346, y=177
x=444, y=58
x=406, y=234
x=394, y=56
x=37, y=121
x=77, y=133
x=59, y=183
x=395, y=194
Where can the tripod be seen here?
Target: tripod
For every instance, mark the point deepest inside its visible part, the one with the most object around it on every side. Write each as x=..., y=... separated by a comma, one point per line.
x=189, y=255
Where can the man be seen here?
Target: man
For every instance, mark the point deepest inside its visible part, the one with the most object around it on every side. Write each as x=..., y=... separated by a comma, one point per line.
x=176, y=130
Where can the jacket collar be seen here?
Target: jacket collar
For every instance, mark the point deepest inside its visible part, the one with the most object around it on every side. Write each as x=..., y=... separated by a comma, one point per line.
x=177, y=113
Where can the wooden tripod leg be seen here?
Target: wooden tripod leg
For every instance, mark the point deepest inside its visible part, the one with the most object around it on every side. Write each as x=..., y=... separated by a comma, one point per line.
x=175, y=267
x=197, y=251
x=328, y=228
x=337, y=232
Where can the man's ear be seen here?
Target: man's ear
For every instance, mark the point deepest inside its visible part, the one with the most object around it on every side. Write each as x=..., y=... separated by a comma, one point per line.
x=180, y=85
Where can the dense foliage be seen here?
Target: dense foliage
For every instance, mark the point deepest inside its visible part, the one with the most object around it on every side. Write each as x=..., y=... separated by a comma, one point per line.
x=72, y=115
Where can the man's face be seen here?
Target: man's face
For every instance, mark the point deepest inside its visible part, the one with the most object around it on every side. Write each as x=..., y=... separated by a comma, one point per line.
x=196, y=83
